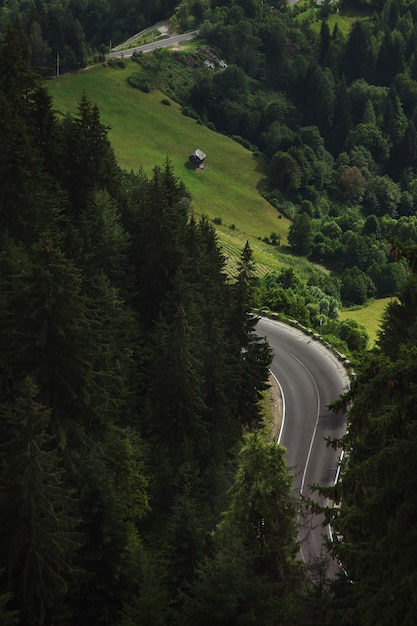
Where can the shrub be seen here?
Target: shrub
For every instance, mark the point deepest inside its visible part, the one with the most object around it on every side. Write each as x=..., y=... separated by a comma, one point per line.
x=116, y=63
x=188, y=112
x=166, y=102
x=275, y=238
x=137, y=81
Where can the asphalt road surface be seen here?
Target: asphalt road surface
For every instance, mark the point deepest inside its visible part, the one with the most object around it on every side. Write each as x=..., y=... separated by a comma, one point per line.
x=311, y=378
x=150, y=47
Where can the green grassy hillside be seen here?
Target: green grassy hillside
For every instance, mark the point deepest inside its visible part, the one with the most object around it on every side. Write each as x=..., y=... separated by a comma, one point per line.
x=369, y=316
x=143, y=132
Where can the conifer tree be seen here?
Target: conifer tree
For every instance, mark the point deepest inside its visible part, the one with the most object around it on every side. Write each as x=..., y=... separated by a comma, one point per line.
x=342, y=117
x=176, y=384
x=205, y=273
x=325, y=41
x=17, y=80
x=46, y=333
x=251, y=354
x=38, y=538
x=88, y=161
x=27, y=207
x=253, y=576
x=8, y=616
x=358, y=59
x=159, y=222
x=374, y=532
x=104, y=242
x=376, y=536
x=112, y=501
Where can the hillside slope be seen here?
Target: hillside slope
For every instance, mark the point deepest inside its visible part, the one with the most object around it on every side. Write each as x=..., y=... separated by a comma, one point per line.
x=143, y=132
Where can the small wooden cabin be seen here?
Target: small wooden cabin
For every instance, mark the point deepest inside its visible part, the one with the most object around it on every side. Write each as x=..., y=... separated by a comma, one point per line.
x=197, y=158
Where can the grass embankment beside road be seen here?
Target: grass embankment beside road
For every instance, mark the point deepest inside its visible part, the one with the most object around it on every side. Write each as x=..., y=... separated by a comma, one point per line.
x=143, y=132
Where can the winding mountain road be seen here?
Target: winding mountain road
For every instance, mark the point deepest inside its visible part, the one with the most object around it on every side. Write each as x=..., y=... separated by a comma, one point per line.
x=310, y=377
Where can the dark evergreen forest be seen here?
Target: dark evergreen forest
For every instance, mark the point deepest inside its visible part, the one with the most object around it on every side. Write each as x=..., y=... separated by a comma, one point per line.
x=78, y=30
x=129, y=390
x=375, y=506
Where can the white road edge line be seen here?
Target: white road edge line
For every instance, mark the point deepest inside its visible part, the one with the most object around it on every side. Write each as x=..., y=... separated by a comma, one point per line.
x=334, y=484
x=312, y=437
x=315, y=425
x=281, y=431
x=283, y=406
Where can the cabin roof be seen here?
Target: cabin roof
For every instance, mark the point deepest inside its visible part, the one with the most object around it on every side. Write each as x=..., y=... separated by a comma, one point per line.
x=199, y=154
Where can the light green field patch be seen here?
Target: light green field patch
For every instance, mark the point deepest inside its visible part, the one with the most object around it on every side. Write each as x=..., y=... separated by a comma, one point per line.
x=343, y=21
x=343, y=18
x=369, y=316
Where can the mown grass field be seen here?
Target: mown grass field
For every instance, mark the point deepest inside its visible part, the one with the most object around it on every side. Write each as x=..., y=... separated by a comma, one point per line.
x=144, y=132
x=344, y=17
x=369, y=316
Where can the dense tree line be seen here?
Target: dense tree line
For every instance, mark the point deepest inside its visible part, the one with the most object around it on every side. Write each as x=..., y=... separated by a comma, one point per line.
x=374, y=504
x=78, y=31
x=130, y=377
x=333, y=115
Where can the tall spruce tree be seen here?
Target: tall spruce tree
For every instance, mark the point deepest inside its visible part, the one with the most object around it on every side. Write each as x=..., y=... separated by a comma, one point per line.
x=158, y=227
x=250, y=353
x=253, y=576
x=88, y=161
x=205, y=272
x=47, y=334
x=373, y=521
x=27, y=205
x=38, y=538
x=175, y=391
x=112, y=499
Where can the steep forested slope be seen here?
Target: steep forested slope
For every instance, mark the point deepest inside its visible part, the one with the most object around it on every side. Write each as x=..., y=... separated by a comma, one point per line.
x=129, y=374
x=374, y=524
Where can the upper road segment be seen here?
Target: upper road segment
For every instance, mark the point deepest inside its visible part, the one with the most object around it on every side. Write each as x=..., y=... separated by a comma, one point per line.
x=175, y=40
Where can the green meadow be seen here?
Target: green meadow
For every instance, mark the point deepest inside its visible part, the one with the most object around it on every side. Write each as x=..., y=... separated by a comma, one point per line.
x=369, y=316
x=343, y=17
x=144, y=132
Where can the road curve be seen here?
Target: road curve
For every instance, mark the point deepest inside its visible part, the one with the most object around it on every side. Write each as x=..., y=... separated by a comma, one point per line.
x=311, y=378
